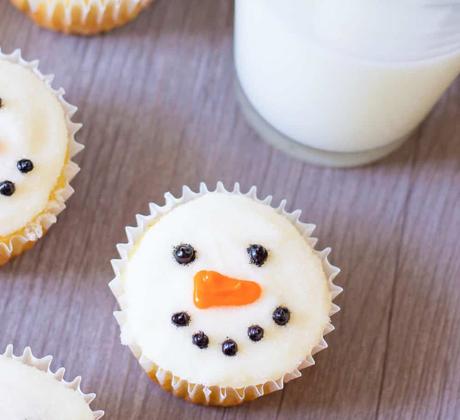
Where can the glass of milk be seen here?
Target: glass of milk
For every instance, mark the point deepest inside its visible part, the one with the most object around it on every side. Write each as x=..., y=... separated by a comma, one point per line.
x=343, y=82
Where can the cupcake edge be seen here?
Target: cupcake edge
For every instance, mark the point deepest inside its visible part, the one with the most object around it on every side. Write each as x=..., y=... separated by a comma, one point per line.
x=199, y=393
x=44, y=365
x=81, y=17
x=24, y=239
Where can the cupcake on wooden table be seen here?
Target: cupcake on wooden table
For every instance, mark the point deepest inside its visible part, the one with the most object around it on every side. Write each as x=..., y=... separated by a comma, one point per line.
x=223, y=297
x=82, y=17
x=29, y=390
x=36, y=147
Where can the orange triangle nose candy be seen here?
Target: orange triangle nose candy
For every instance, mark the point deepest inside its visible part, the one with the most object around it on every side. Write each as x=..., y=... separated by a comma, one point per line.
x=214, y=289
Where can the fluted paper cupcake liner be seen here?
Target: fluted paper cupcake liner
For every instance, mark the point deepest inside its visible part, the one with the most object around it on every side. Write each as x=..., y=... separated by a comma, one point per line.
x=199, y=393
x=82, y=17
x=44, y=365
x=17, y=242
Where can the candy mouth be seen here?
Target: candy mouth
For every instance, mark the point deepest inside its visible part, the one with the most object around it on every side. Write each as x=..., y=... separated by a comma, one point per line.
x=280, y=316
x=212, y=289
x=8, y=188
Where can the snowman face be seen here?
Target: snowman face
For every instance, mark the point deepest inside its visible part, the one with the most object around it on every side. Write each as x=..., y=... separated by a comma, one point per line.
x=225, y=291
x=33, y=146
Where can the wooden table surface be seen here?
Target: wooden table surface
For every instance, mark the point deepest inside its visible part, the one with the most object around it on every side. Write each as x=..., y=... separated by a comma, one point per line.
x=158, y=105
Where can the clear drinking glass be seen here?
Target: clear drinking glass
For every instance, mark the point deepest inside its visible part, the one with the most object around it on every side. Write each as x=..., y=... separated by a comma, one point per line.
x=343, y=82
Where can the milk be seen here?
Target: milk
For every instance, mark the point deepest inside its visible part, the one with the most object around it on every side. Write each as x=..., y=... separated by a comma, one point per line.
x=346, y=75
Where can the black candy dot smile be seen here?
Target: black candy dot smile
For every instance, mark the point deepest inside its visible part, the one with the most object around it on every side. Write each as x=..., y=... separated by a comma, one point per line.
x=25, y=166
x=281, y=315
x=180, y=319
x=229, y=347
x=255, y=332
x=200, y=339
x=7, y=188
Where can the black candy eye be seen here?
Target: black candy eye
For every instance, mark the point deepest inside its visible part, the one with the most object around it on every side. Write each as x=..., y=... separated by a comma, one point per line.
x=229, y=347
x=255, y=332
x=200, y=339
x=180, y=319
x=281, y=315
x=184, y=254
x=25, y=166
x=7, y=188
x=257, y=254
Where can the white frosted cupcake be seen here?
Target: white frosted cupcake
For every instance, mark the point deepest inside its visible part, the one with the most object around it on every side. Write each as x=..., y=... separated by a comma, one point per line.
x=223, y=297
x=36, y=147
x=29, y=390
x=82, y=17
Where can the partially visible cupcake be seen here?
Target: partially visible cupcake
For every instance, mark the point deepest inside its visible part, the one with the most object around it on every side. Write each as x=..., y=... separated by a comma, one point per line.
x=36, y=147
x=82, y=17
x=223, y=297
x=30, y=390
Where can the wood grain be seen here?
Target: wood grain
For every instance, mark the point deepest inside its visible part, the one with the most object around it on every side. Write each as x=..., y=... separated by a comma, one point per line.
x=158, y=104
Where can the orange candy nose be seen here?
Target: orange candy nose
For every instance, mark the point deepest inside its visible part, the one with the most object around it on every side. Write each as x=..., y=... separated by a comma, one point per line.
x=214, y=289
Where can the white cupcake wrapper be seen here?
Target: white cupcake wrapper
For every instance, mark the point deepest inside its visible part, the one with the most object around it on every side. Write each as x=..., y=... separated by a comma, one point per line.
x=215, y=395
x=88, y=10
x=37, y=227
x=86, y=6
x=44, y=365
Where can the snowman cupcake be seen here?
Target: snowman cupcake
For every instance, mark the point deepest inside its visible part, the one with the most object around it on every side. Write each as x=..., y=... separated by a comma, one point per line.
x=30, y=390
x=223, y=297
x=36, y=147
x=81, y=17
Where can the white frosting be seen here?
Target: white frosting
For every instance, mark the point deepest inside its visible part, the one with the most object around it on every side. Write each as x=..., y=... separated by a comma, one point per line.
x=28, y=393
x=220, y=227
x=32, y=126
